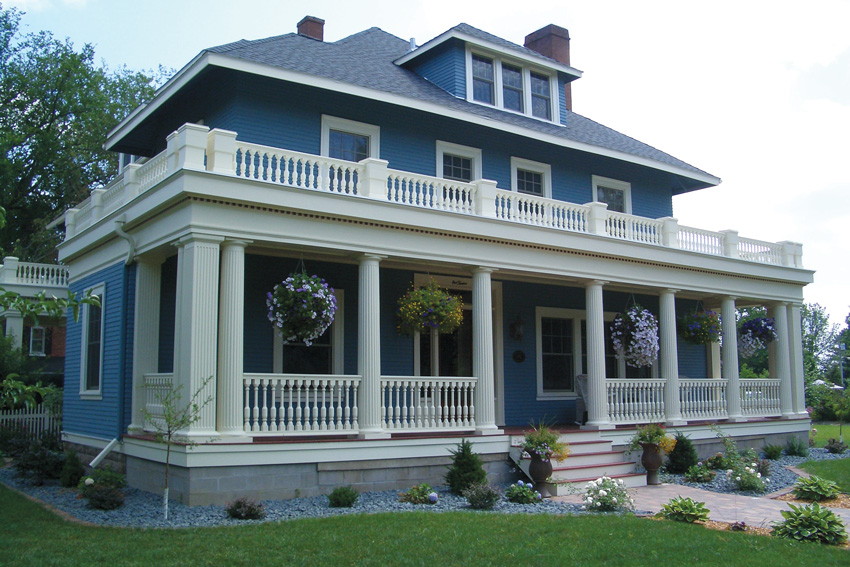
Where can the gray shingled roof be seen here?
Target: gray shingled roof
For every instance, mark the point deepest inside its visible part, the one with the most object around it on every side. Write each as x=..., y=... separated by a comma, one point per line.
x=366, y=59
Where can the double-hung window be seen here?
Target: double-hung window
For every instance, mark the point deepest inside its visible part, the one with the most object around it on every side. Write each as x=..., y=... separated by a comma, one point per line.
x=38, y=340
x=541, y=97
x=483, y=80
x=91, y=364
x=458, y=163
x=616, y=194
x=511, y=86
x=531, y=177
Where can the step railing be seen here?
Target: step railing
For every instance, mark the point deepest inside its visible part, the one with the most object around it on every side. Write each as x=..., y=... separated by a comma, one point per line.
x=427, y=403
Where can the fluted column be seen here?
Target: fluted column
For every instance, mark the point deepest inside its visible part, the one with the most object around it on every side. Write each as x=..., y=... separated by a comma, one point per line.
x=597, y=403
x=197, y=327
x=231, y=332
x=729, y=356
x=369, y=347
x=145, y=333
x=482, y=351
x=670, y=357
x=795, y=336
x=783, y=359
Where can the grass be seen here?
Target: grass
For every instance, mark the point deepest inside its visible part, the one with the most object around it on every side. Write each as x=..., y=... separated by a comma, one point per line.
x=837, y=470
x=31, y=535
x=827, y=431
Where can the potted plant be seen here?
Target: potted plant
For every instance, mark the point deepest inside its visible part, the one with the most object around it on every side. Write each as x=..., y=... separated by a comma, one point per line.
x=700, y=327
x=301, y=308
x=634, y=333
x=541, y=444
x=422, y=309
x=754, y=335
x=656, y=443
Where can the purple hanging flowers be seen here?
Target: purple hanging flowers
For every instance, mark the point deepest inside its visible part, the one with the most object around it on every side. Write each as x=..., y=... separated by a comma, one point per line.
x=634, y=333
x=301, y=308
x=754, y=335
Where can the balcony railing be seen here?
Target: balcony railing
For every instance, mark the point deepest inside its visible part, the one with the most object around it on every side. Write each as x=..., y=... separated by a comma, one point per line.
x=217, y=151
x=42, y=276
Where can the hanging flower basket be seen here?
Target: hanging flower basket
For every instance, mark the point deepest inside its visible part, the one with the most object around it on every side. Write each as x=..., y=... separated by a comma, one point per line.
x=634, y=333
x=754, y=335
x=700, y=327
x=431, y=307
x=301, y=308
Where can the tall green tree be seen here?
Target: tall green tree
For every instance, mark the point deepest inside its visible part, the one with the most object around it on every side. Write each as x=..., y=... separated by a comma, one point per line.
x=819, y=337
x=56, y=108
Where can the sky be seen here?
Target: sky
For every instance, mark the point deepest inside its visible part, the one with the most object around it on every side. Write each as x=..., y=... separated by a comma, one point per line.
x=754, y=92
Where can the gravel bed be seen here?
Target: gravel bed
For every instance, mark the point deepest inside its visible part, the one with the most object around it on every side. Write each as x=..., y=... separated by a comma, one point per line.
x=780, y=477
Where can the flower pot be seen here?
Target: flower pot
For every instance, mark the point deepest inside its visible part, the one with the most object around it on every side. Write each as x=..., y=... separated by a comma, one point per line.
x=652, y=459
x=540, y=470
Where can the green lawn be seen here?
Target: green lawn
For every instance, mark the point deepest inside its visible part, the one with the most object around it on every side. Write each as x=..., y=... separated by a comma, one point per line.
x=827, y=431
x=30, y=535
x=837, y=470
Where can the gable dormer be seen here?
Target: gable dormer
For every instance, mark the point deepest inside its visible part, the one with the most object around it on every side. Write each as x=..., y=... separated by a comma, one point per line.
x=483, y=69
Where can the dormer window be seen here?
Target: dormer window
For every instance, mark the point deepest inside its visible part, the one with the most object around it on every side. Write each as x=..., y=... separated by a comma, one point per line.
x=510, y=86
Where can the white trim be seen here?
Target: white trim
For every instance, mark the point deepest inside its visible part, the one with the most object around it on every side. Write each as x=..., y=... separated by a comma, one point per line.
x=537, y=167
x=337, y=340
x=458, y=150
x=99, y=289
x=608, y=183
x=351, y=127
x=43, y=341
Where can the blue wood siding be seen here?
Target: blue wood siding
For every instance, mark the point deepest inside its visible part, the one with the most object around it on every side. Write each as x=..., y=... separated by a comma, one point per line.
x=129, y=334
x=98, y=418
x=445, y=66
x=562, y=98
x=693, y=359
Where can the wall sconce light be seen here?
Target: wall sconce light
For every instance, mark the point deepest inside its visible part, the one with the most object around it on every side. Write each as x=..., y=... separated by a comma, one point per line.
x=515, y=328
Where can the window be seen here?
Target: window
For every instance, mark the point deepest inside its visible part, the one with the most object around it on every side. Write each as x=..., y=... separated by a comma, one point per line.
x=91, y=367
x=541, y=106
x=37, y=341
x=531, y=177
x=510, y=86
x=349, y=140
x=616, y=194
x=483, y=79
x=512, y=94
x=460, y=163
x=324, y=356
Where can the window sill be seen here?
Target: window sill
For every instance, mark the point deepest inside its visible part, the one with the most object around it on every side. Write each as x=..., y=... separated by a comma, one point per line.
x=94, y=396
x=556, y=396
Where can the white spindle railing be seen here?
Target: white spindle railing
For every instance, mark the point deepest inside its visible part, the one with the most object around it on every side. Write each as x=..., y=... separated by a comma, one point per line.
x=46, y=275
x=300, y=404
x=697, y=240
x=539, y=211
x=636, y=229
x=430, y=192
x=156, y=387
x=426, y=403
x=760, y=397
x=114, y=195
x=760, y=251
x=152, y=171
x=635, y=401
x=295, y=169
x=702, y=398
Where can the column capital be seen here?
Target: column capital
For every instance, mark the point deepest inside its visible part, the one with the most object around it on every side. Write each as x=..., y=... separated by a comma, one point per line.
x=595, y=282
x=483, y=270
x=199, y=237
x=236, y=242
x=670, y=290
x=370, y=256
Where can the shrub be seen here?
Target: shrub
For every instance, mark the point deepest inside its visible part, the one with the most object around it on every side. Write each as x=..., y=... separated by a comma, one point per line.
x=419, y=494
x=101, y=477
x=716, y=462
x=104, y=497
x=811, y=523
x=72, y=470
x=606, y=494
x=481, y=495
x=796, y=448
x=815, y=488
x=738, y=526
x=747, y=478
x=245, y=509
x=343, y=497
x=14, y=440
x=523, y=493
x=763, y=467
x=684, y=510
x=700, y=473
x=683, y=456
x=773, y=452
x=835, y=446
x=40, y=463
x=465, y=469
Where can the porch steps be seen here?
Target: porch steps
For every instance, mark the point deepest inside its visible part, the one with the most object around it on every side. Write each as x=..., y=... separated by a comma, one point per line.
x=590, y=458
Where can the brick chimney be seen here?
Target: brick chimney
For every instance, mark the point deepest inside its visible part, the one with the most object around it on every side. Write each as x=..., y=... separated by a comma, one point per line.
x=553, y=42
x=313, y=27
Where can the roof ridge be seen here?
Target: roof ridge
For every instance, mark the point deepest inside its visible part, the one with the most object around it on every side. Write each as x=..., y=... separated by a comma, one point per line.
x=245, y=42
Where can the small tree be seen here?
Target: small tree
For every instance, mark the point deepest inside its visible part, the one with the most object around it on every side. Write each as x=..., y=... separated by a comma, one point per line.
x=174, y=418
x=466, y=468
x=683, y=456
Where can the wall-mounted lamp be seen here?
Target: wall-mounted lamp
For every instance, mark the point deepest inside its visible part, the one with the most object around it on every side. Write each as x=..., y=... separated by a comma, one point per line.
x=515, y=328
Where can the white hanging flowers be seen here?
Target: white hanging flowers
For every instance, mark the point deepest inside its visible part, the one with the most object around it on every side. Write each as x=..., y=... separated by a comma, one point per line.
x=754, y=335
x=634, y=333
x=301, y=308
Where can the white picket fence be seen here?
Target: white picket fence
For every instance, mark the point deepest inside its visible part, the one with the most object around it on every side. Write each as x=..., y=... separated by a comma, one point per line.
x=35, y=420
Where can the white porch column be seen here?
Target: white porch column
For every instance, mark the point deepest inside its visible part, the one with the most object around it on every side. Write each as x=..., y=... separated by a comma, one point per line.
x=795, y=337
x=729, y=356
x=196, y=330
x=15, y=327
x=670, y=357
x=782, y=356
x=145, y=333
x=482, y=351
x=229, y=389
x=369, y=347
x=597, y=403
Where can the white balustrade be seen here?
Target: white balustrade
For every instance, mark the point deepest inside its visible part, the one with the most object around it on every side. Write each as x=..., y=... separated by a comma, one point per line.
x=702, y=398
x=539, y=211
x=290, y=404
x=427, y=403
x=46, y=275
x=152, y=171
x=760, y=251
x=114, y=195
x=635, y=400
x=760, y=397
x=430, y=192
x=697, y=240
x=634, y=228
x=156, y=388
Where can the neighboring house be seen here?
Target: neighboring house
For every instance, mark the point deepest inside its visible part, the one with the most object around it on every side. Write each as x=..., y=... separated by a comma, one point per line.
x=43, y=339
x=381, y=164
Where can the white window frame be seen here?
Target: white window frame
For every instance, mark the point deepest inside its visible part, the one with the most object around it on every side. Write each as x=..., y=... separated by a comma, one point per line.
x=371, y=131
x=554, y=96
x=609, y=183
x=535, y=166
x=468, y=152
x=97, y=290
x=337, y=340
x=43, y=341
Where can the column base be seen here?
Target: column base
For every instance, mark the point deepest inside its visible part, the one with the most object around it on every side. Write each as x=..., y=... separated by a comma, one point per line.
x=373, y=434
x=598, y=426
x=488, y=430
x=675, y=422
x=736, y=419
x=789, y=415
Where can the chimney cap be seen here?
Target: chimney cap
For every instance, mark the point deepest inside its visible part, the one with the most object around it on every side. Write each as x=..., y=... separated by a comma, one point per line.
x=545, y=31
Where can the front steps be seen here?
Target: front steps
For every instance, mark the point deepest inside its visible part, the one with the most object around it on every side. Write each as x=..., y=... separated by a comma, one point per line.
x=590, y=458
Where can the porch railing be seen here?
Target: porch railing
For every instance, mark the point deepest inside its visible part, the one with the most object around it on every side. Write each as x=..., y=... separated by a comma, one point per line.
x=702, y=398
x=156, y=387
x=426, y=403
x=300, y=404
x=760, y=397
x=635, y=401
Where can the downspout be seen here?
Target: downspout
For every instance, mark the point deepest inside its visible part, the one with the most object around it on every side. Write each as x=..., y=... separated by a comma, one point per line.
x=119, y=230
x=125, y=285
